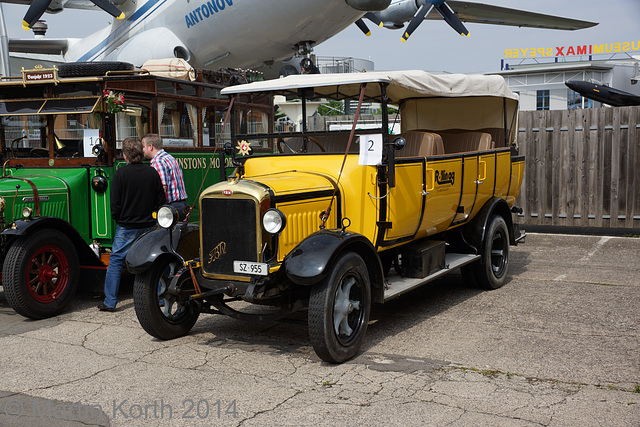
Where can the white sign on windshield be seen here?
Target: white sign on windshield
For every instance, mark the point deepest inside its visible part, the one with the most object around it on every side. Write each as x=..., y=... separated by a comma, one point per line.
x=91, y=138
x=370, y=149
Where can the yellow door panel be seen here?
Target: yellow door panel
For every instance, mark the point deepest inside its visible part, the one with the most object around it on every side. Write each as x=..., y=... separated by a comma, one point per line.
x=469, y=188
x=486, y=179
x=443, y=186
x=405, y=201
x=503, y=177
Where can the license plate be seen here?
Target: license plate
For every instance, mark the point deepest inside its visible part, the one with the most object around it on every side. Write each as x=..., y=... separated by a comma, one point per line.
x=248, y=267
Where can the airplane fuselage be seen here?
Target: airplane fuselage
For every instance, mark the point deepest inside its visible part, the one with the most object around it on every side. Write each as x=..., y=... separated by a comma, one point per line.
x=193, y=30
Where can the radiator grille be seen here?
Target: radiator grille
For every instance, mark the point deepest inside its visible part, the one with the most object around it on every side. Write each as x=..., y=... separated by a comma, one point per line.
x=229, y=232
x=57, y=209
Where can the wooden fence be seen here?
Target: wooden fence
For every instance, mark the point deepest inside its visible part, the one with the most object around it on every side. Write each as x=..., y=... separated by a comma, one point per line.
x=582, y=168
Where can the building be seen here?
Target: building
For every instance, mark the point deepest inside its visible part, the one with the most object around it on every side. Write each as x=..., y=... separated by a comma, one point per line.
x=539, y=74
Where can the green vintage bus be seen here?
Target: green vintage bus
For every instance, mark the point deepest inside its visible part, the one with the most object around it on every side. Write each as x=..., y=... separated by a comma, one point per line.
x=61, y=131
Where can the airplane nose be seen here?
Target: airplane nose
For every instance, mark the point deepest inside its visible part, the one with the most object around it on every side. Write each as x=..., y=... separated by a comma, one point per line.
x=573, y=85
x=369, y=5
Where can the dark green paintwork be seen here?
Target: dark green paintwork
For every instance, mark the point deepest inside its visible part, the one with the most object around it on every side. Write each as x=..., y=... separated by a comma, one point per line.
x=66, y=193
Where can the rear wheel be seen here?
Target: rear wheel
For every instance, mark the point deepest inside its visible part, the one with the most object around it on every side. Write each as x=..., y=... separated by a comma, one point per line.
x=339, y=309
x=161, y=314
x=40, y=274
x=491, y=271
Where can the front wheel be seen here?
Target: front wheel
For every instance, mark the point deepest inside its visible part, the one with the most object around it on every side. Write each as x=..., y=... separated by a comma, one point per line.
x=339, y=309
x=40, y=274
x=161, y=314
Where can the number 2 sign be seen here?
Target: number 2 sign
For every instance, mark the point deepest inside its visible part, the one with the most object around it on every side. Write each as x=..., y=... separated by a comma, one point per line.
x=370, y=149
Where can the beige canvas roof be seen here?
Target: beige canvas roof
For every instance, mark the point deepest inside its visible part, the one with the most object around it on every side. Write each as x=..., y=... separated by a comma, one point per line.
x=401, y=85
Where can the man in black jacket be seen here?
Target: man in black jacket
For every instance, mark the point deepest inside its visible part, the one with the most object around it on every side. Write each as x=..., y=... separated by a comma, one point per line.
x=136, y=192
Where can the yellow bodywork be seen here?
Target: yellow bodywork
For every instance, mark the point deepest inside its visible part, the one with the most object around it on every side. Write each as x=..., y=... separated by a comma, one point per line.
x=430, y=196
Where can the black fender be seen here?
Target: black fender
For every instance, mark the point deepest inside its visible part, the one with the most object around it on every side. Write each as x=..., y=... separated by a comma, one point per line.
x=25, y=227
x=307, y=264
x=477, y=228
x=156, y=244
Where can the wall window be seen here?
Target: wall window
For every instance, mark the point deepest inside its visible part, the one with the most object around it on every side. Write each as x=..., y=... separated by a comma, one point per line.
x=542, y=100
x=574, y=100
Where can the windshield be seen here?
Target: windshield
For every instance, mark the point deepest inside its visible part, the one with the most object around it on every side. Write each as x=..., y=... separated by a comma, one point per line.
x=318, y=125
x=73, y=134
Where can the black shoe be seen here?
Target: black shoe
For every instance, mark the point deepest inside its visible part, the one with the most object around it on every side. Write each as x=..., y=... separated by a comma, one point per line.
x=103, y=307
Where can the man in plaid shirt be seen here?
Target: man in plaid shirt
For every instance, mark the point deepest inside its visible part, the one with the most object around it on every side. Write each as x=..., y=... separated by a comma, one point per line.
x=169, y=171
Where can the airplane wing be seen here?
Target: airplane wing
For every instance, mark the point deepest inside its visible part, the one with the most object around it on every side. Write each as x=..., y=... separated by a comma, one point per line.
x=487, y=14
x=455, y=13
x=43, y=46
x=58, y=5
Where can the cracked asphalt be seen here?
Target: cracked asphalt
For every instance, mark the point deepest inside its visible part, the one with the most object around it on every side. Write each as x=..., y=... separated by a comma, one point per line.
x=558, y=345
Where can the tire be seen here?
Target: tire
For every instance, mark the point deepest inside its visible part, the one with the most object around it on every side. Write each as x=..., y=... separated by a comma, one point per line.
x=85, y=69
x=491, y=271
x=173, y=320
x=40, y=274
x=339, y=309
x=288, y=70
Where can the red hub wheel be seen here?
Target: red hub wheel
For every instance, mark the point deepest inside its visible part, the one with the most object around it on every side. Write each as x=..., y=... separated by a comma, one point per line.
x=47, y=274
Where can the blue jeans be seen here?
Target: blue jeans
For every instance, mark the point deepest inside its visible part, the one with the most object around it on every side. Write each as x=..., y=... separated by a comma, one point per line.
x=122, y=241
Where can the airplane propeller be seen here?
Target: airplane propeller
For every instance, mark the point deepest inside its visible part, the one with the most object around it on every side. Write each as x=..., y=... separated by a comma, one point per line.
x=371, y=17
x=39, y=7
x=445, y=12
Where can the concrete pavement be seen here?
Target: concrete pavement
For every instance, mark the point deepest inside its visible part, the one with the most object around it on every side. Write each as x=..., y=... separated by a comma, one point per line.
x=558, y=345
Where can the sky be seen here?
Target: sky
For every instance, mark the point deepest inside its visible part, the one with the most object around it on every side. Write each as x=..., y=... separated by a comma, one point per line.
x=433, y=46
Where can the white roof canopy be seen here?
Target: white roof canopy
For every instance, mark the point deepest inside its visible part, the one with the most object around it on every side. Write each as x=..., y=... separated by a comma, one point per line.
x=400, y=85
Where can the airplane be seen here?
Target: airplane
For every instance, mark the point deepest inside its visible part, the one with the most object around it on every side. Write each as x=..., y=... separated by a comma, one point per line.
x=248, y=34
x=605, y=94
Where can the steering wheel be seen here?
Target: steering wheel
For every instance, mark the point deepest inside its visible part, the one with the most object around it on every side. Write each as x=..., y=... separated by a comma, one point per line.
x=39, y=152
x=282, y=145
x=13, y=143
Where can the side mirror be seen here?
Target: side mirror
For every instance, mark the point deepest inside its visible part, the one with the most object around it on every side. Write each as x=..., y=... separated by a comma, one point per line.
x=228, y=149
x=399, y=143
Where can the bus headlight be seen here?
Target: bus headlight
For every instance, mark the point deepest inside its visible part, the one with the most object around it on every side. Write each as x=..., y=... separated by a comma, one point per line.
x=167, y=216
x=273, y=221
x=27, y=212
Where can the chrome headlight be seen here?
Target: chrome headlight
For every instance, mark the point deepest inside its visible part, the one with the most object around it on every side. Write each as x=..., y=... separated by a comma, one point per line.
x=167, y=216
x=27, y=212
x=273, y=221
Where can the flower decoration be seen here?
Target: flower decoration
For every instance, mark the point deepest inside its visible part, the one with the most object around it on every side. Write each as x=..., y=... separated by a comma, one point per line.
x=114, y=101
x=244, y=148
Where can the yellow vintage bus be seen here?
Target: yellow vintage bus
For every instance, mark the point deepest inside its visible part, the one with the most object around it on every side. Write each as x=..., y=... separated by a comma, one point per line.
x=332, y=221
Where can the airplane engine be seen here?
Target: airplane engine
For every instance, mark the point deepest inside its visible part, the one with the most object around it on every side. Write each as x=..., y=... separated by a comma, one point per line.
x=369, y=5
x=397, y=14
x=156, y=43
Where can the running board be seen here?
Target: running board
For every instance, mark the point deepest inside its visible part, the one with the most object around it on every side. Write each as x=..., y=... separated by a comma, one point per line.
x=397, y=285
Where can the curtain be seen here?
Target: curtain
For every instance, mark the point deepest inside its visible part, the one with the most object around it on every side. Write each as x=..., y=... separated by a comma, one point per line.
x=93, y=121
x=175, y=122
x=192, y=110
x=160, y=116
x=140, y=128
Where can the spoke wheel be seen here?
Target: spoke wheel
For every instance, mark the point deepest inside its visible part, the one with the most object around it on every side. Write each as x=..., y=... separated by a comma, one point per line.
x=163, y=315
x=339, y=309
x=40, y=274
